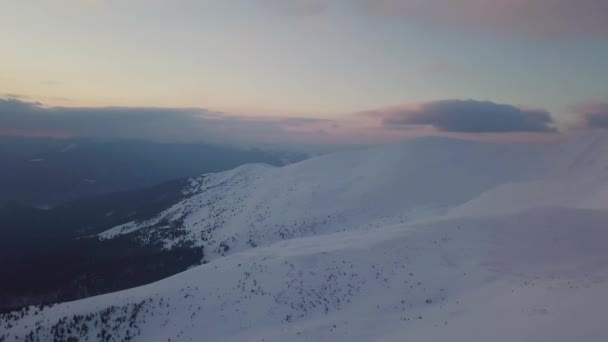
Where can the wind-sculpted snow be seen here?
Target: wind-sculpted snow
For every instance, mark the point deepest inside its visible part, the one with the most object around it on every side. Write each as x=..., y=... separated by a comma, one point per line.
x=415, y=280
x=432, y=240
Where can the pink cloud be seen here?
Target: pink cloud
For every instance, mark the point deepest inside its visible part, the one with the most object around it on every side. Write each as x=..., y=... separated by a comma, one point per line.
x=532, y=18
x=591, y=115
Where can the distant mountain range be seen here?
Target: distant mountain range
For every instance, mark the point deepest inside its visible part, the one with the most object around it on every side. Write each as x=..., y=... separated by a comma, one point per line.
x=45, y=172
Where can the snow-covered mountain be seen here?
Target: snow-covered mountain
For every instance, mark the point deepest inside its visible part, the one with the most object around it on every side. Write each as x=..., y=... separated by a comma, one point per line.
x=430, y=240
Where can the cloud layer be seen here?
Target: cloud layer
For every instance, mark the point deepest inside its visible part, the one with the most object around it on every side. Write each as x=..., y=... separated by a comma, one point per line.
x=537, y=18
x=466, y=116
x=163, y=124
x=530, y=18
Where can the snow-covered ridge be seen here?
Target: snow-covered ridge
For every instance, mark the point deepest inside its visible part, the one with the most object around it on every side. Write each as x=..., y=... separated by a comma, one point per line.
x=430, y=240
x=256, y=205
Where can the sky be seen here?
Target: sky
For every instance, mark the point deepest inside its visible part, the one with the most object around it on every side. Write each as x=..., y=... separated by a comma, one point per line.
x=302, y=71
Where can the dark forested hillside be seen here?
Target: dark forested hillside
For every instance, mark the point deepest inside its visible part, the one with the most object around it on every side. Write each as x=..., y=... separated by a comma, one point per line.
x=49, y=255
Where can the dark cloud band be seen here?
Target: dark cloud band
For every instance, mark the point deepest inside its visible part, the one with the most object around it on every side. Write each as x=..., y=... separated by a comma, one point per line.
x=467, y=116
x=163, y=124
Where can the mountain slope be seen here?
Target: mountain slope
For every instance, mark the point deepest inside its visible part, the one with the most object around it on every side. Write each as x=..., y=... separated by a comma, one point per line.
x=255, y=205
x=435, y=239
x=537, y=276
